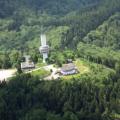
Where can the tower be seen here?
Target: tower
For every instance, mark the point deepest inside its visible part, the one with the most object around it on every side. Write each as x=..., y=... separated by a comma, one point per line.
x=44, y=48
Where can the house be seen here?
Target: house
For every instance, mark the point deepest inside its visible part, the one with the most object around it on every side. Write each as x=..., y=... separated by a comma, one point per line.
x=28, y=64
x=68, y=69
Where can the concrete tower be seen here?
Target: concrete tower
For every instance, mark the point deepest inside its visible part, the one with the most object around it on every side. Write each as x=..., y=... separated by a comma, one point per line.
x=44, y=48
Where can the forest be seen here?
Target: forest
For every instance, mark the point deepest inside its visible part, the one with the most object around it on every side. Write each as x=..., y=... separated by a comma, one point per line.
x=27, y=98
x=88, y=30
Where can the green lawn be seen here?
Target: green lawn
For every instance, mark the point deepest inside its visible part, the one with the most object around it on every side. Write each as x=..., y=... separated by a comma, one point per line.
x=41, y=73
x=40, y=64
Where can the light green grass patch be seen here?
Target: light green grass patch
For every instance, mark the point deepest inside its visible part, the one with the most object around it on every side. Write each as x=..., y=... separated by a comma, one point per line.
x=40, y=65
x=41, y=73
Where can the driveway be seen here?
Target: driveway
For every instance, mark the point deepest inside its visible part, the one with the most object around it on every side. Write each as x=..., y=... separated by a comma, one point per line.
x=53, y=74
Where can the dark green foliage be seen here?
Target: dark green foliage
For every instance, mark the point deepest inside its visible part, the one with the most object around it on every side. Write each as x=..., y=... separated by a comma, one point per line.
x=27, y=98
x=61, y=57
x=83, y=22
x=106, y=35
x=22, y=29
x=5, y=61
x=9, y=60
x=7, y=7
x=103, y=56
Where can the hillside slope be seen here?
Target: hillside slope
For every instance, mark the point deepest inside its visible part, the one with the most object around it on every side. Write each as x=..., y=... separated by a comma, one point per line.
x=21, y=21
x=107, y=34
x=8, y=7
x=84, y=22
x=20, y=27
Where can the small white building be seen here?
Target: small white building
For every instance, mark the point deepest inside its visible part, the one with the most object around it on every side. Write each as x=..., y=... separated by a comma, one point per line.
x=28, y=64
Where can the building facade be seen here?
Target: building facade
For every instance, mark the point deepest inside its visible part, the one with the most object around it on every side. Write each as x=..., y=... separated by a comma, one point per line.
x=28, y=64
x=68, y=69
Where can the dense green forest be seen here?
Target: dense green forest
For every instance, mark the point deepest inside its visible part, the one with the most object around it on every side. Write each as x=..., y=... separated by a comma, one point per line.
x=21, y=26
x=27, y=98
x=107, y=34
x=53, y=7
x=76, y=29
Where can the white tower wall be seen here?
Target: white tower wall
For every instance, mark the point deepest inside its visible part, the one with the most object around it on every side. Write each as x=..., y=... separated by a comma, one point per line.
x=43, y=40
x=45, y=56
x=44, y=48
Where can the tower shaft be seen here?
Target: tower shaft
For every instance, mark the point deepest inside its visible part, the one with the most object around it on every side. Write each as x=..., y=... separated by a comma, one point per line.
x=44, y=48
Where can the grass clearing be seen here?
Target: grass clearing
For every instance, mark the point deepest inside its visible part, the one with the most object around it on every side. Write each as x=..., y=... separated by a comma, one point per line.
x=82, y=66
x=41, y=73
x=40, y=65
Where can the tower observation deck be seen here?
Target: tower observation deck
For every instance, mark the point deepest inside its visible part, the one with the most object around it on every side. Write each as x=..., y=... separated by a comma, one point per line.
x=44, y=48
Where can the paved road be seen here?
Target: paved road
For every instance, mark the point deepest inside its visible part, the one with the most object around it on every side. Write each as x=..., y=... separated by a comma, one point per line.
x=5, y=74
x=48, y=68
x=53, y=74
